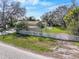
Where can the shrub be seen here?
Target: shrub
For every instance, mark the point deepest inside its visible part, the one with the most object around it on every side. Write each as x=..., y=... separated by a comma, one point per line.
x=21, y=25
x=72, y=20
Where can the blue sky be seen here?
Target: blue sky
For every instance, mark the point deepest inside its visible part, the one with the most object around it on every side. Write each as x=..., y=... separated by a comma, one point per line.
x=38, y=7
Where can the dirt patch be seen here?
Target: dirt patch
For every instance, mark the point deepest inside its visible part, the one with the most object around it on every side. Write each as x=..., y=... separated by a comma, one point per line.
x=64, y=50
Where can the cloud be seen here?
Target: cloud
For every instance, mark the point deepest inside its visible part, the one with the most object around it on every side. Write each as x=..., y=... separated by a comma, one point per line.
x=31, y=7
x=53, y=7
x=22, y=1
x=56, y=6
x=33, y=2
x=45, y=4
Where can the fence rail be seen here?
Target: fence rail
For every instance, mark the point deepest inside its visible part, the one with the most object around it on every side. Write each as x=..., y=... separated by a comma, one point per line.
x=51, y=35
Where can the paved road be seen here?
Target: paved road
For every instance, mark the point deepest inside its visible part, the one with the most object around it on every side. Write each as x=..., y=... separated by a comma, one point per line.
x=9, y=52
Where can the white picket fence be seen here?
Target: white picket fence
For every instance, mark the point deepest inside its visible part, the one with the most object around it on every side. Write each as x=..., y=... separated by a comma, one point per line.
x=51, y=35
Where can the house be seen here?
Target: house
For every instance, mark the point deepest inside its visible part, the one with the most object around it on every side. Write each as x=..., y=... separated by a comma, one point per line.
x=32, y=26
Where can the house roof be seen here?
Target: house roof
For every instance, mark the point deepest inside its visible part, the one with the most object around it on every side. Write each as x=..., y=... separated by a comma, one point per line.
x=32, y=23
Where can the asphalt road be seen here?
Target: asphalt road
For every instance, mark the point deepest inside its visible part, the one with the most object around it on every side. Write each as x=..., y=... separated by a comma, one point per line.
x=9, y=52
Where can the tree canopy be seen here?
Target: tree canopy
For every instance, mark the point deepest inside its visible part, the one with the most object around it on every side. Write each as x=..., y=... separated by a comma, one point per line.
x=72, y=20
x=10, y=11
x=55, y=17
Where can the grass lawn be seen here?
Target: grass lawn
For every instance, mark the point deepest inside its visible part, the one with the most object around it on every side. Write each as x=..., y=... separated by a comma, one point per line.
x=76, y=43
x=56, y=30
x=37, y=44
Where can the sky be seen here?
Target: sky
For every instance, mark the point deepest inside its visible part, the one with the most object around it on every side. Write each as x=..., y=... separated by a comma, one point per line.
x=37, y=8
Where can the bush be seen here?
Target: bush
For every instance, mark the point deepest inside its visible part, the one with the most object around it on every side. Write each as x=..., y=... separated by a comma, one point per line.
x=72, y=20
x=21, y=25
x=40, y=25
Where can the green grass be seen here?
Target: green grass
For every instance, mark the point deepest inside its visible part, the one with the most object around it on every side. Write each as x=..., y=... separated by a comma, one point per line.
x=56, y=30
x=38, y=44
x=76, y=43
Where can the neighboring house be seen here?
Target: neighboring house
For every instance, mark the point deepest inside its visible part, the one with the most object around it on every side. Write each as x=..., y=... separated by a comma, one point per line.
x=32, y=26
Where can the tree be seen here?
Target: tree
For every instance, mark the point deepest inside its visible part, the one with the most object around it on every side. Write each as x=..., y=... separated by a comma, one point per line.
x=10, y=11
x=54, y=18
x=3, y=9
x=72, y=20
x=14, y=12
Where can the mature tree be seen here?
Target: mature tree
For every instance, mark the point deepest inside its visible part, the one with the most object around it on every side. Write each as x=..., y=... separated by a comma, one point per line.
x=72, y=20
x=55, y=17
x=45, y=17
x=10, y=11
x=3, y=9
x=15, y=11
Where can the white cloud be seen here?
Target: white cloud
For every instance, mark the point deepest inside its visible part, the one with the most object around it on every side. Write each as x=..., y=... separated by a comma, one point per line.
x=33, y=2
x=31, y=7
x=45, y=4
x=53, y=7
x=56, y=6
x=22, y=1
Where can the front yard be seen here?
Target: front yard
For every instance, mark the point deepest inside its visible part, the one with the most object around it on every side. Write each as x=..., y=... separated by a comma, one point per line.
x=45, y=46
x=56, y=30
x=37, y=44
